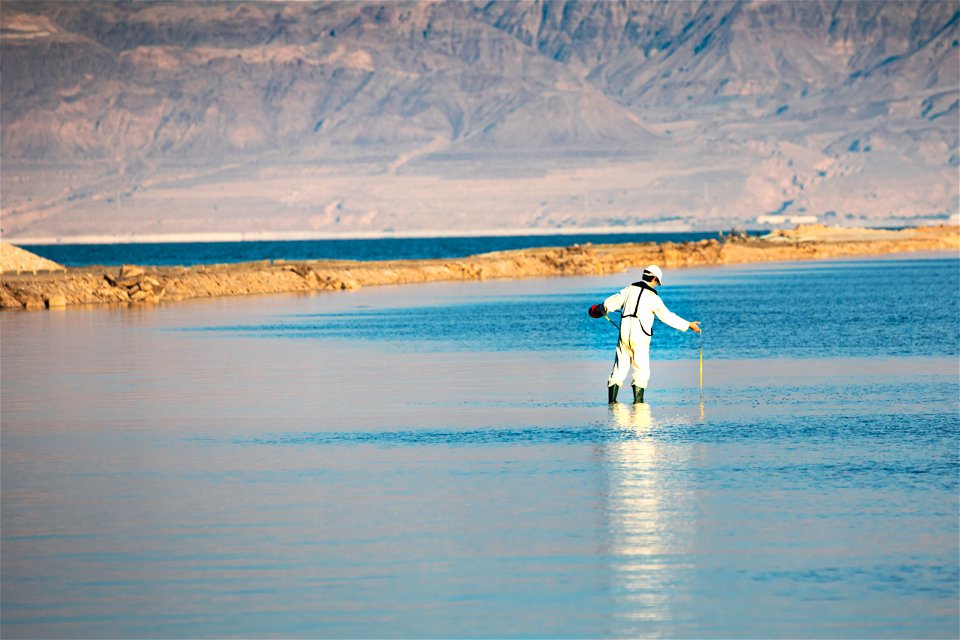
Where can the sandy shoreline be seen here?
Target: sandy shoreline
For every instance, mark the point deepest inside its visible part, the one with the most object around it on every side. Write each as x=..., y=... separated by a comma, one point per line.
x=51, y=286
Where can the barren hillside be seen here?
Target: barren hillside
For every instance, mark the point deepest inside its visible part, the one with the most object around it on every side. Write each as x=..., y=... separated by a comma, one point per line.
x=173, y=117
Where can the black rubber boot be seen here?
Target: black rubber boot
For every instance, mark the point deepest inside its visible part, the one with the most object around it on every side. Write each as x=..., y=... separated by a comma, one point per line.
x=612, y=393
x=637, y=394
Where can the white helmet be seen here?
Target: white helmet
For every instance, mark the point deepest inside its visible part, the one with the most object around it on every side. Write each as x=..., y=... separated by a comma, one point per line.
x=654, y=271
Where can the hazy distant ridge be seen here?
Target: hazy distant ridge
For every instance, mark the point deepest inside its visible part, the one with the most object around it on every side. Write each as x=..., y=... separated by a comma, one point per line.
x=494, y=114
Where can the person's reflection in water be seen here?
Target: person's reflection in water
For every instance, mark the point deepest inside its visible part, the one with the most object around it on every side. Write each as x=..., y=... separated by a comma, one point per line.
x=641, y=504
x=632, y=417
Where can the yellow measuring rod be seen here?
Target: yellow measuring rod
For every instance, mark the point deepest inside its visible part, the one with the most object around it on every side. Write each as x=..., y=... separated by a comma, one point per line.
x=701, y=366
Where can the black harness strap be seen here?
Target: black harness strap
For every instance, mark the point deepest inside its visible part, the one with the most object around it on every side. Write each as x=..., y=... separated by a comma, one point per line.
x=643, y=286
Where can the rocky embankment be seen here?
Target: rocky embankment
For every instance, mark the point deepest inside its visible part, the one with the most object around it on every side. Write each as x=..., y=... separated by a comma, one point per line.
x=39, y=284
x=17, y=260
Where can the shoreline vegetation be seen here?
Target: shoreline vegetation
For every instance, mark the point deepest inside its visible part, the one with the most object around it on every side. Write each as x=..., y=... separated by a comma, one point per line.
x=29, y=282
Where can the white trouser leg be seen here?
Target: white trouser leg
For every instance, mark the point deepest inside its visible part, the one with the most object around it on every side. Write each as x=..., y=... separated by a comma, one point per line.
x=641, y=363
x=621, y=365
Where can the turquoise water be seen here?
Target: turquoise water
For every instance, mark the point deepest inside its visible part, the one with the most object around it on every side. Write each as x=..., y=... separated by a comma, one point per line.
x=440, y=461
x=192, y=253
x=848, y=308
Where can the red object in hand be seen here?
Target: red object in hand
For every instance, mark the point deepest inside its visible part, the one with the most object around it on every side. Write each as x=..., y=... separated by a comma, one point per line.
x=597, y=311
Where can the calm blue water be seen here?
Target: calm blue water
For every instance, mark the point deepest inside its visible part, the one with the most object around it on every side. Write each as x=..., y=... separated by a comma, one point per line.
x=191, y=253
x=440, y=461
x=845, y=308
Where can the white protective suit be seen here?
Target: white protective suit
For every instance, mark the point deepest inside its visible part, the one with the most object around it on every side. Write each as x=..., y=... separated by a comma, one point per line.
x=638, y=303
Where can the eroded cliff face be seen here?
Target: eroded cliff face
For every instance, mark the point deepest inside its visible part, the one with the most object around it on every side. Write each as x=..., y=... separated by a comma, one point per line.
x=159, y=117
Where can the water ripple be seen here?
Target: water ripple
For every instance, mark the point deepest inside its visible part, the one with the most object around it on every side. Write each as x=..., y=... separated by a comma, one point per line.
x=635, y=425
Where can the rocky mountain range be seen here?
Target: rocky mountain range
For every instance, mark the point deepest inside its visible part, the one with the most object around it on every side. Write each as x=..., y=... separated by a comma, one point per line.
x=155, y=118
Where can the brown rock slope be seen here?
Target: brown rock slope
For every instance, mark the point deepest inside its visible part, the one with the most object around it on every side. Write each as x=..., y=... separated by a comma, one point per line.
x=138, y=285
x=17, y=260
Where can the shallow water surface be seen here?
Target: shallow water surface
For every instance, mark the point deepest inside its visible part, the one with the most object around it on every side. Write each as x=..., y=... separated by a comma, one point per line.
x=440, y=461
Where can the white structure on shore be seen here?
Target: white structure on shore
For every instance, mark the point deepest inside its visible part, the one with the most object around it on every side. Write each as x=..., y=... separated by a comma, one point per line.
x=777, y=220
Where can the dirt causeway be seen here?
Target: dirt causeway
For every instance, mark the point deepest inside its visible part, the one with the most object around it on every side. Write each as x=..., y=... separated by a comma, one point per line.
x=29, y=282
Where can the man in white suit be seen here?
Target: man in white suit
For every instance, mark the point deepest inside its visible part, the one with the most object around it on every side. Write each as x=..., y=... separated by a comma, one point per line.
x=638, y=303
